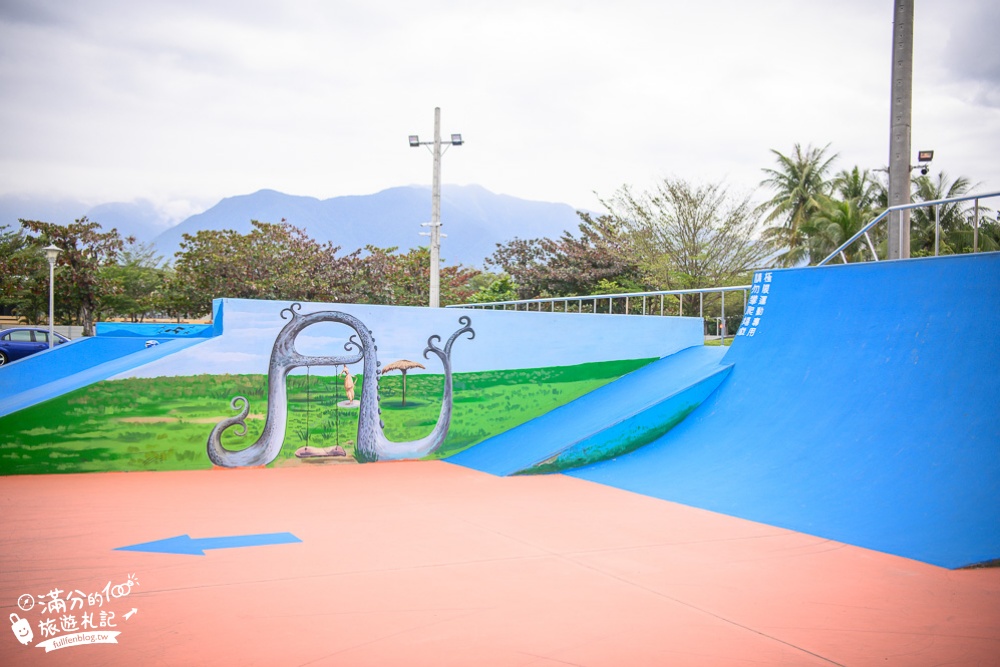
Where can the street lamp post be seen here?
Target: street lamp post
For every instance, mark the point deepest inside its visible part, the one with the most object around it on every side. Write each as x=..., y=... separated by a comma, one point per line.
x=435, y=223
x=51, y=252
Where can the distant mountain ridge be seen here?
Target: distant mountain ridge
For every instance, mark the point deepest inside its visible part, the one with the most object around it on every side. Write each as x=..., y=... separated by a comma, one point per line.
x=140, y=219
x=473, y=219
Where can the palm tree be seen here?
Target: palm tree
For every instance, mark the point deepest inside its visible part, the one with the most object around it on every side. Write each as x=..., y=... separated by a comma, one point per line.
x=835, y=221
x=798, y=181
x=956, y=234
x=861, y=186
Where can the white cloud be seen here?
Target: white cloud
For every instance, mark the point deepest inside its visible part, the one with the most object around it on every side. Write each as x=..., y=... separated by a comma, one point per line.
x=184, y=103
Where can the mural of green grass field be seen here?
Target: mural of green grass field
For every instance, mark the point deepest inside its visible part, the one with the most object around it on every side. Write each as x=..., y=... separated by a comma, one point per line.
x=163, y=423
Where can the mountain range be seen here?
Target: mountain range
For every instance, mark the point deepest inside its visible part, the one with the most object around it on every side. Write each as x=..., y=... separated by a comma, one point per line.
x=474, y=220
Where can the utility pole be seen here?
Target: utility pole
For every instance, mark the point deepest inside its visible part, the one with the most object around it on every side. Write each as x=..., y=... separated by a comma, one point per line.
x=435, y=223
x=901, y=109
x=435, y=301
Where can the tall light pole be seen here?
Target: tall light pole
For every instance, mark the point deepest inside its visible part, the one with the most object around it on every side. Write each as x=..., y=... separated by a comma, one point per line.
x=435, y=223
x=51, y=252
x=900, y=111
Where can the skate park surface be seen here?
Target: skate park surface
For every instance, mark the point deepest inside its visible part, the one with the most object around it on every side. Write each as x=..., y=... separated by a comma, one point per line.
x=814, y=509
x=430, y=563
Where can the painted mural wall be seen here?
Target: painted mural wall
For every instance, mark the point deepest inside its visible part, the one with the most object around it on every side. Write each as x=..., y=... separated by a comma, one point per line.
x=320, y=384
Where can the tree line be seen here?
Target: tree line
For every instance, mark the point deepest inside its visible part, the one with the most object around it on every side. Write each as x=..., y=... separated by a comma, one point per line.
x=683, y=235
x=100, y=275
x=813, y=211
x=675, y=235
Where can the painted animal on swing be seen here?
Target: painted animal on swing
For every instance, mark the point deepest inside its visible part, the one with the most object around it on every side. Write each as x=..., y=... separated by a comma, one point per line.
x=372, y=445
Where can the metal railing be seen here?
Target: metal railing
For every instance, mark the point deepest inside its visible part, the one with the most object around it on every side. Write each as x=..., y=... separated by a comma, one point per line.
x=605, y=303
x=937, y=226
x=593, y=301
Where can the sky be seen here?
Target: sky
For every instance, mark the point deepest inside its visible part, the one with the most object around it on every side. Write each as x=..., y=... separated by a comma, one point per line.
x=184, y=102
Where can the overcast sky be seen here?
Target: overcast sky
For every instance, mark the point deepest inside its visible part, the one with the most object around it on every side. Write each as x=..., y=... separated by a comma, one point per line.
x=184, y=102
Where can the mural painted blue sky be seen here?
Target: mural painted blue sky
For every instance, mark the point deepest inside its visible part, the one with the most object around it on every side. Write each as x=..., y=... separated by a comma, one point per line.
x=502, y=340
x=185, y=102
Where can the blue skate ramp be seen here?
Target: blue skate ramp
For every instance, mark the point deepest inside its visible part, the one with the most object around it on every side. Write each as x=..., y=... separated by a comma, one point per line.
x=865, y=408
x=631, y=411
x=69, y=366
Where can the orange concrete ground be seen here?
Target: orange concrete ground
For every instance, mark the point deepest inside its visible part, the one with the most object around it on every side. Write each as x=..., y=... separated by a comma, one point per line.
x=426, y=563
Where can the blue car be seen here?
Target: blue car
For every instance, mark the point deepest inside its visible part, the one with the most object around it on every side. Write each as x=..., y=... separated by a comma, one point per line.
x=20, y=342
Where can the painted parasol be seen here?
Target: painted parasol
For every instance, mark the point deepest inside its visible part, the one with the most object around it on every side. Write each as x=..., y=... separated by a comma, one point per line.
x=402, y=365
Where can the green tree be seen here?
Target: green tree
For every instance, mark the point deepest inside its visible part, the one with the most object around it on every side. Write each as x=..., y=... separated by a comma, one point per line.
x=23, y=275
x=387, y=277
x=139, y=278
x=860, y=186
x=570, y=265
x=688, y=235
x=272, y=261
x=955, y=218
x=179, y=297
x=835, y=221
x=856, y=198
x=457, y=283
x=798, y=182
x=80, y=281
x=501, y=288
x=525, y=262
x=280, y=261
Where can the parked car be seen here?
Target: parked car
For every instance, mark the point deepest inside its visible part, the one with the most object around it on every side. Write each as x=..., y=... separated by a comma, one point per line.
x=20, y=342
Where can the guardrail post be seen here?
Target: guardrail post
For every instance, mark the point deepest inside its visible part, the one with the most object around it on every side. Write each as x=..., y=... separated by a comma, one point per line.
x=871, y=246
x=937, y=229
x=975, y=230
x=723, y=339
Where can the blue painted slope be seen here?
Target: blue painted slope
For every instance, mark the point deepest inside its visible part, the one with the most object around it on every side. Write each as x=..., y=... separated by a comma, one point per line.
x=70, y=366
x=621, y=403
x=865, y=409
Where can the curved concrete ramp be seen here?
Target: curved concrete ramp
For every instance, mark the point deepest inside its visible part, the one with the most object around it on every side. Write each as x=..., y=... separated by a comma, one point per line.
x=79, y=363
x=865, y=408
x=621, y=416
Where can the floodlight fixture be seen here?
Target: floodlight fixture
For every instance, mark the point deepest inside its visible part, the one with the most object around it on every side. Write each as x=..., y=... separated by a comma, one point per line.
x=456, y=140
x=924, y=158
x=414, y=141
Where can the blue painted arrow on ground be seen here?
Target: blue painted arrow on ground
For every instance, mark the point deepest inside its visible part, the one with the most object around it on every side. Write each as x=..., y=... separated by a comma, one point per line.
x=185, y=544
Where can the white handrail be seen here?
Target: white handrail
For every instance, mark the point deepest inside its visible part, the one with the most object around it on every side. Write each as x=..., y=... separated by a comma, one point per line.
x=596, y=298
x=599, y=297
x=902, y=207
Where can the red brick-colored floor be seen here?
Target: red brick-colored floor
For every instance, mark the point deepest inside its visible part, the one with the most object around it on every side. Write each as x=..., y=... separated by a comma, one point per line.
x=427, y=563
